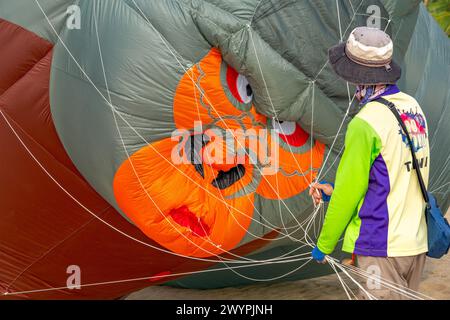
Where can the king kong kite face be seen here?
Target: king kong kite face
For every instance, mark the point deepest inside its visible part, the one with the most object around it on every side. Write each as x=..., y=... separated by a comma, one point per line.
x=167, y=127
x=193, y=193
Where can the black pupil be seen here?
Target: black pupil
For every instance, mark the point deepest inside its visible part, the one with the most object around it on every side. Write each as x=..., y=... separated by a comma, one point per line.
x=249, y=90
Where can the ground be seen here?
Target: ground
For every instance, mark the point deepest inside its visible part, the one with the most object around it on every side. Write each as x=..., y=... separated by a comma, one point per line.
x=435, y=284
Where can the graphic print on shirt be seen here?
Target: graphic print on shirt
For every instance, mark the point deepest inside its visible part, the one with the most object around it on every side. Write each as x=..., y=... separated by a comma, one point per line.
x=377, y=201
x=416, y=125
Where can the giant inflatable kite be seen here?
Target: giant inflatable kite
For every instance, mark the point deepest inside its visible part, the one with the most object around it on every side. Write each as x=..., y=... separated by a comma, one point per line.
x=112, y=114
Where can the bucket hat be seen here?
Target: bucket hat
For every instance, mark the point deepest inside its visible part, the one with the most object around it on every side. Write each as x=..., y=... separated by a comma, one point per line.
x=366, y=58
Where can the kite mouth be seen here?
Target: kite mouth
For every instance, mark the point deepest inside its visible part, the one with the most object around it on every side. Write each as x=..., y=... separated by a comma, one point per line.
x=226, y=179
x=186, y=218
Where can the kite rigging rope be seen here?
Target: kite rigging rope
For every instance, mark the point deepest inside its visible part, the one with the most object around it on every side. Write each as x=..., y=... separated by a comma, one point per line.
x=105, y=99
x=109, y=225
x=249, y=262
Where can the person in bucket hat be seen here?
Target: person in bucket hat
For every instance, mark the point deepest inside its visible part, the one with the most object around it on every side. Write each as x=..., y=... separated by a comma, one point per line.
x=376, y=199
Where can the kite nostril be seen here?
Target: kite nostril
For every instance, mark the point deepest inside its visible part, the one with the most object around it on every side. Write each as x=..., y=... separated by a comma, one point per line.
x=193, y=149
x=186, y=218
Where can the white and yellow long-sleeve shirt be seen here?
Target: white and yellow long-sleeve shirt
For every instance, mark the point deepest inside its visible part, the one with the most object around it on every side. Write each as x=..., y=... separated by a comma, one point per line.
x=377, y=197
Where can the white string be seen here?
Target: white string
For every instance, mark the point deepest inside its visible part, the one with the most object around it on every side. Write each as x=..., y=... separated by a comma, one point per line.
x=387, y=25
x=274, y=278
x=209, y=102
x=288, y=235
x=348, y=92
x=351, y=5
x=87, y=209
x=334, y=161
x=372, y=16
x=339, y=20
x=151, y=277
x=443, y=170
x=343, y=284
x=332, y=262
x=37, y=161
x=353, y=17
x=104, y=98
x=445, y=185
x=386, y=283
x=335, y=138
x=95, y=21
x=271, y=101
x=112, y=106
x=131, y=161
x=276, y=118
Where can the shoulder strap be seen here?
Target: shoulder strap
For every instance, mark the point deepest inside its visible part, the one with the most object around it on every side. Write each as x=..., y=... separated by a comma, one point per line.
x=416, y=166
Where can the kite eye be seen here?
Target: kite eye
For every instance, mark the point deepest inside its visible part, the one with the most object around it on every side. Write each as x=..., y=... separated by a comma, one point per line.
x=284, y=127
x=239, y=86
x=290, y=132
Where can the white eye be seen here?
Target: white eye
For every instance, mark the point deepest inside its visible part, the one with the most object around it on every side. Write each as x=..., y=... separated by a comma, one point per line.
x=239, y=87
x=284, y=127
x=244, y=89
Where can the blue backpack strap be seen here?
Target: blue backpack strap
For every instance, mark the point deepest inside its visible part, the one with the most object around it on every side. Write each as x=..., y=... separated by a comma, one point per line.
x=416, y=166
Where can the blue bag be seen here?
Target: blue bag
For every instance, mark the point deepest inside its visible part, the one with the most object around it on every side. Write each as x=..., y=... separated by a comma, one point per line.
x=438, y=229
x=437, y=226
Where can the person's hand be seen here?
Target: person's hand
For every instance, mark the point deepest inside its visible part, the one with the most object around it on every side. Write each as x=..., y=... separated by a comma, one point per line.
x=317, y=190
x=318, y=255
x=348, y=262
